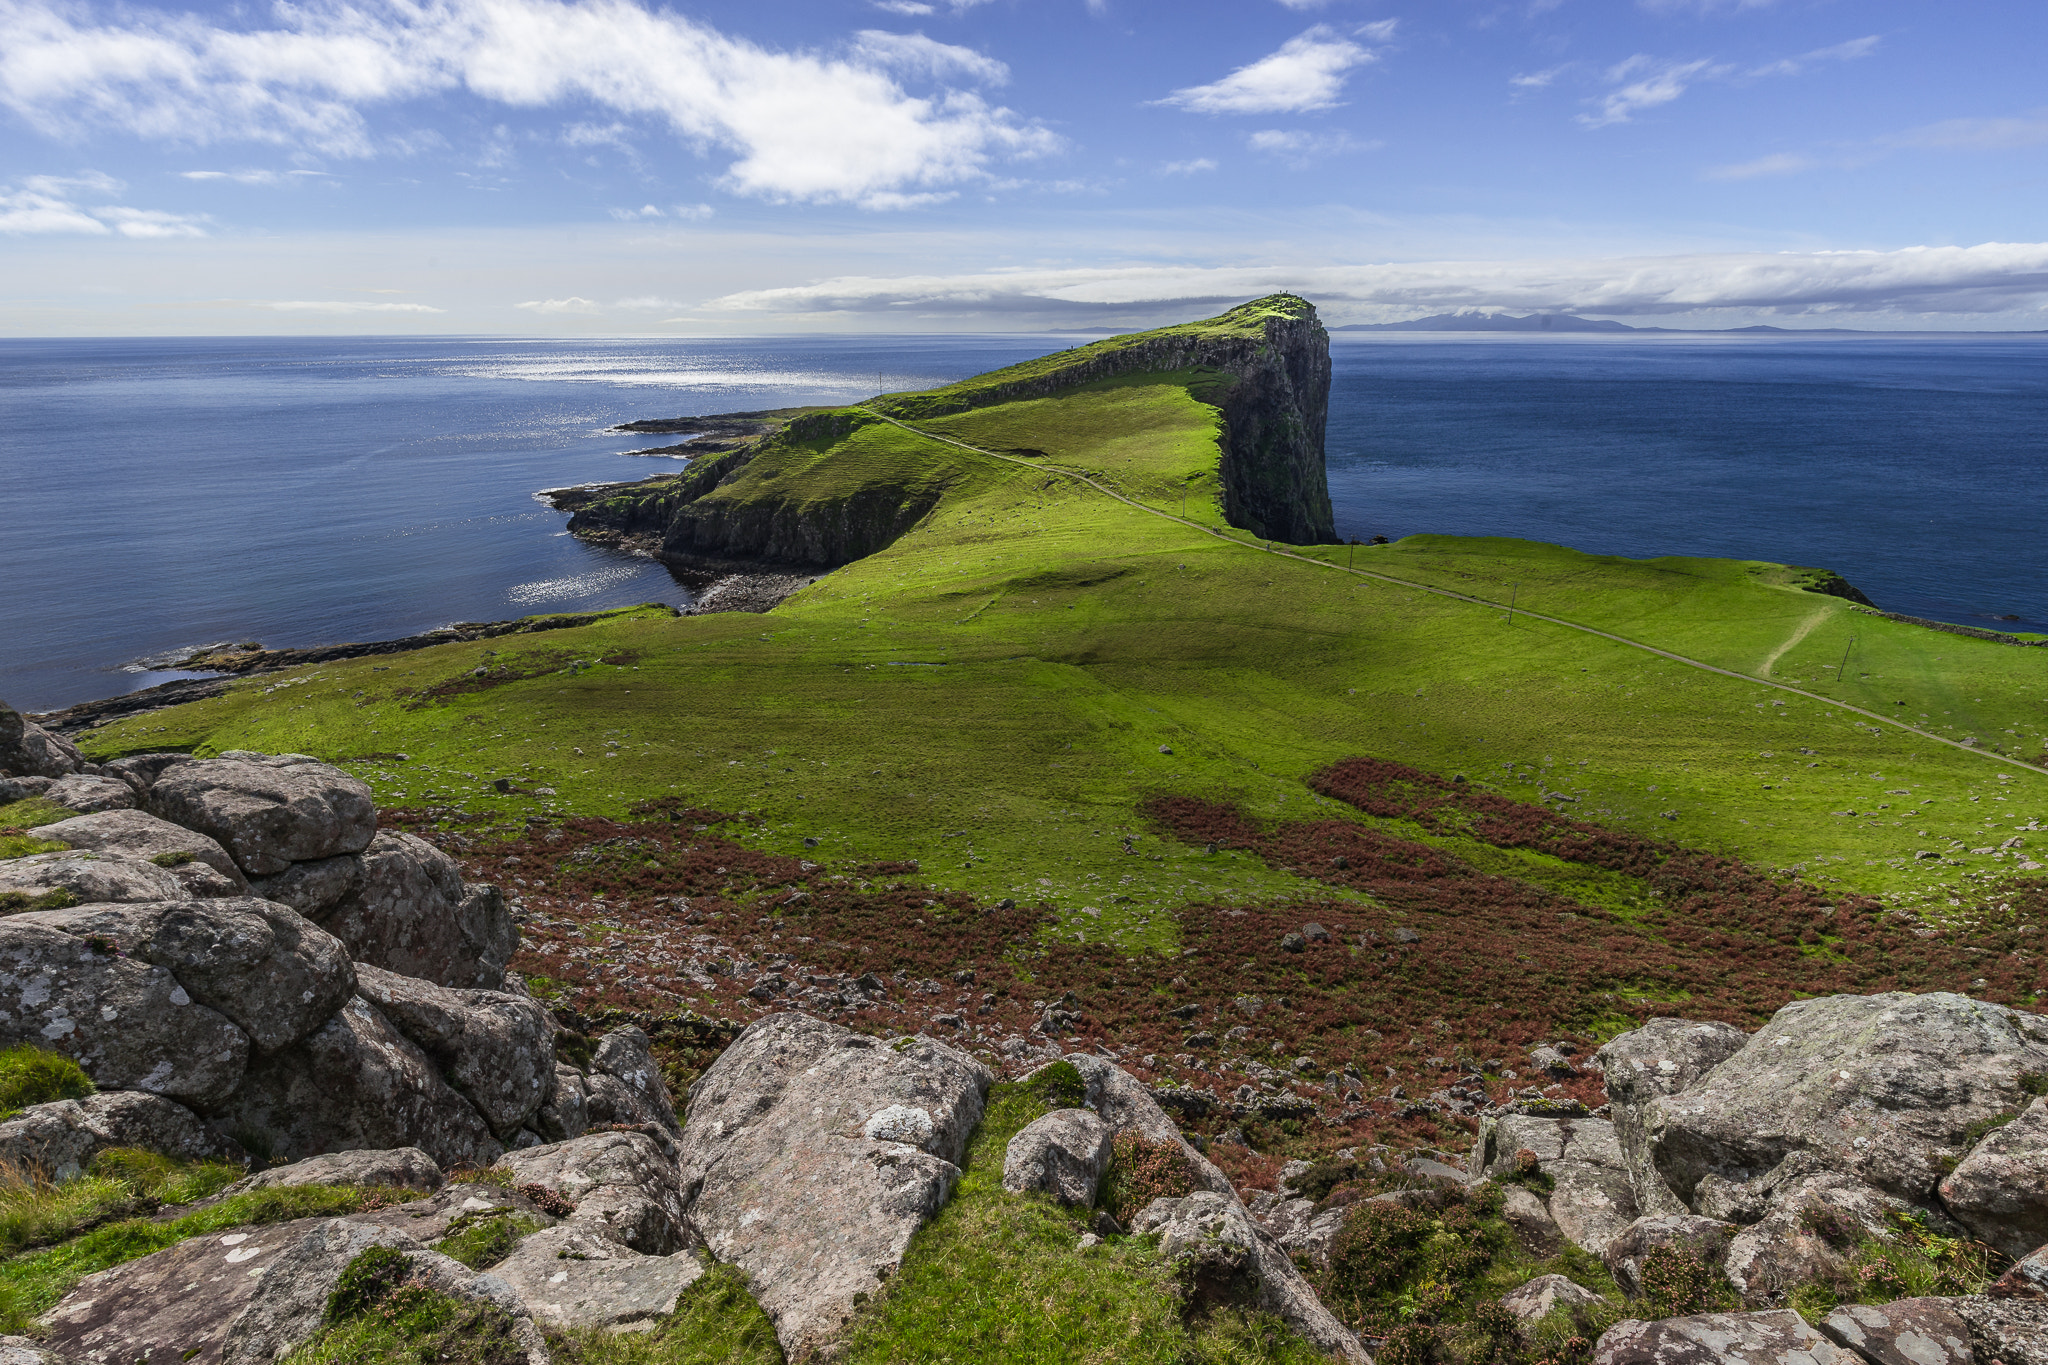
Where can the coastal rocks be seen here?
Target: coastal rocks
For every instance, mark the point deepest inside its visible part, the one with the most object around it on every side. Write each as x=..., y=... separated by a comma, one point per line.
x=1880, y=1087
x=498, y=1049
x=86, y=793
x=60, y=1139
x=268, y=970
x=1775, y=1338
x=2000, y=1190
x=28, y=750
x=1592, y=1198
x=1221, y=1258
x=89, y=877
x=565, y=1115
x=1533, y=1301
x=784, y=1183
x=1904, y=1332
x=575, y=1276
x=314, y=888
x=625, y=1084
x=356, y=1081
x=1661, y=1058
x=406, y=1168
x=1063, y=1154
x=412, y=914
x=1703, y=1238
x=268, y=811
x=130, y=1024
x=200, y=865
x=623, y=1180
x=2007, y=1331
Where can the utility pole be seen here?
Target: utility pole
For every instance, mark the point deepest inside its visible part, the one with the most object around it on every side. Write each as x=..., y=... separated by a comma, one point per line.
x=1513, y=593
x=1841, y=669
x=1351, y=553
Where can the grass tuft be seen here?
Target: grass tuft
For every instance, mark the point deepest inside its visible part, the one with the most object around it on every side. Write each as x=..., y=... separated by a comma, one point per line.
x=32, y=1075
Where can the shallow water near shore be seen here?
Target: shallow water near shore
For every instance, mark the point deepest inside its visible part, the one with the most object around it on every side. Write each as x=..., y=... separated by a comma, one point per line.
x=168, y=494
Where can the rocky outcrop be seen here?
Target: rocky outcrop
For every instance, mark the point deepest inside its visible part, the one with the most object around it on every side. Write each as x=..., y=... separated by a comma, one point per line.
x=28, y=750
x=198, y=864
x=1533, y=1301
x=1661, y=1058
x=1906, y=1332
x=405, y=1168
x=1592, y=1198
x=497, y=1049
x=1063, y=1154
x=408, y=911
x=1703, y=1239
x=1775, y=1338
x=89, y=877
x=2000, y=1190
x=60, y=1139
x=268, y=810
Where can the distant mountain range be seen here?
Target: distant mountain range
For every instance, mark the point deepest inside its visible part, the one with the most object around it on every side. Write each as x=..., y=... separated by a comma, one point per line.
x=1558, y=322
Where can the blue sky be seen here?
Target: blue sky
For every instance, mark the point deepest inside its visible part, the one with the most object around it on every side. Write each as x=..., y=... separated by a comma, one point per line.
x=606, y=166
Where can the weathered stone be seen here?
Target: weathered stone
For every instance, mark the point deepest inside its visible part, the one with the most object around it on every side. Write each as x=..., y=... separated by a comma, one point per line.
x=268, y=811
x=291, y=1297
x=1529, y=1216
x=1813, y=1221
x=91, y=878
x=1063, y=1154
x=141, y=771
x=406, y=1168
x=2000, y=1190
x=1776, y=1338
x=140, y=835
x=1662, y=1057
x=1703, y=1238
x=1592, y=1198
x=498, y=1049
x=627, y=1055
x=573, y=1276
x=1220, y=1256
x=14, y=789
x=128, y=1023
x=28, y=750
x=2026, y=1278
x=621, y=1178
x=61, y=1138
x=27, y=1351
x=566, y=1113
x=432, y=1218
x=1904, y=1332
x=356, y=1082
x=413, y=915
x=272, y=972
x=1296, y=1227
x=1534, y=1300
x=2005, y=1331
x=1881, y=1088
x=785, y=1184
x=314, y=888
x=86, y=793
x=1127, y=1106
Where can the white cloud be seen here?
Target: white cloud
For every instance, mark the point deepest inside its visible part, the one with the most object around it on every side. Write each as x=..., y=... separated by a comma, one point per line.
x=572, y=304
x=1993, y=277
x=1840, y=52
x=1646, y=82
x=339, y=307
x=1197, y=165
x=915, y=55
x=49, y=203
x=250, y=177
x=911, y=7
x=1977, y=134
x=633, y=215
x=1298, y=148
x=798, y=126
x=1308, y=72
x=1537, y=80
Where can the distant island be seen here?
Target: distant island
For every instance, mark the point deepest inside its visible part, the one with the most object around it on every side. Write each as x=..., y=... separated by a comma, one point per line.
x=1566, y=322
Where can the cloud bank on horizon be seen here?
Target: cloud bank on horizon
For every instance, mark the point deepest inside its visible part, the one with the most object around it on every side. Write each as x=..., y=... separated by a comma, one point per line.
x=1011, y=162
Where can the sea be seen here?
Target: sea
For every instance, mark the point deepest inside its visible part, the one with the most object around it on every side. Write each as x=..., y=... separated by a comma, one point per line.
x=159, y=495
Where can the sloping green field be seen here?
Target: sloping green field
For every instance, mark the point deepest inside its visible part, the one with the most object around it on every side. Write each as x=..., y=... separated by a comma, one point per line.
x=996, y=693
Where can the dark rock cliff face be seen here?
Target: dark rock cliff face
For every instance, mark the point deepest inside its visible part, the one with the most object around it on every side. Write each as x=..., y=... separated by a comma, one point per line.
x=1270, y=363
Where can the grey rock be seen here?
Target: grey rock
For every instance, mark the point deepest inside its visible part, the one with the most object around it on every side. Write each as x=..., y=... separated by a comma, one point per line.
x=1661, y=1058
x=1904, y=1332
x=1879, y=1087
x=2026, y=1278
x=2005, y=1331
x=1529, y=1216
x=1437, y=1172
x=61, y=1138
x=498, y=1049
x=138, y=834
x=14, y=789
x=622, y=1179
x=565, y=1115
x=627, y=1056
x=141, y=771
x=2000, y=1190
x=1127, y=1106
x=1704, y=1238
x=788, y=1182
x=413, y=915
x=1592, y=1198
x=430, y=1219
x=1533, y=1301
x=91, y=878
x=1063, y=1154
x=1775, y=1338
x=406, y=1168
x=356, y=1082
x=314, y=888
x=27, y=1351
x=1218, y=1252
x=87, y=793
x=1788, y=1247
x=130, y=1024
x=1295, y=1226
x=268, y=812
x=28, y=750
x=273, y=973
x=572, y=1277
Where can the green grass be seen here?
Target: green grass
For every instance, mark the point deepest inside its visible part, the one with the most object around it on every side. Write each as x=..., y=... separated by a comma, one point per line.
x=32, y=1075
x=991, y=694
x=480, y=1242
x=416, y=1326
x=716, y=1322
x=996, y=1278
x=27, y=815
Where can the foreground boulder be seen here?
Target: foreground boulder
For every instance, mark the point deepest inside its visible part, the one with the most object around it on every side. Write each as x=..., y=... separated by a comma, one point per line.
x=1906, y=1332
x=405, y=1168
x=87, y=793
x=199, y=864
x=2000, y=1190
x=268, y=810
x=1063, y=1154
x=623, y=1180
x=498, y=1049
x=408, y=911
x=1775, y=1338
x=60, y=1139
x=810, y=1154
x=28, y=750
x=1661, y=1058
x=90, y=878
x=1592, y=1198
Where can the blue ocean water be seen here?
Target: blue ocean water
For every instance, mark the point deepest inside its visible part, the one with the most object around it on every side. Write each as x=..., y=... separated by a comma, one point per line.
x=166, y=494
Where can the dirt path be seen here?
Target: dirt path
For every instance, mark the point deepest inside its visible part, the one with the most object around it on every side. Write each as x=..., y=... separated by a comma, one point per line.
x=1273, y=549
x=1804, y=629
